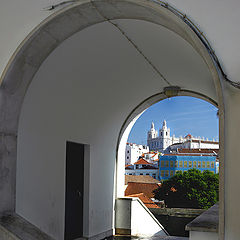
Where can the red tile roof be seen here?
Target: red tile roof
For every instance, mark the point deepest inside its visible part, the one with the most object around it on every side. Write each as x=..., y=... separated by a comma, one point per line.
x=147, y=201
x=146, y=188
x=141, y=161
x=140, y=179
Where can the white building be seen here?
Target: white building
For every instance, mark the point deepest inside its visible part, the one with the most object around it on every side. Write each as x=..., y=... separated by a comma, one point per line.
x=142, y=167
x=164, y=140
x=151, y=157
x=134, y=151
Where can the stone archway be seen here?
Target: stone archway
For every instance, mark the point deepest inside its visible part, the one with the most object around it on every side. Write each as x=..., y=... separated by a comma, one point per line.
x=51, y=33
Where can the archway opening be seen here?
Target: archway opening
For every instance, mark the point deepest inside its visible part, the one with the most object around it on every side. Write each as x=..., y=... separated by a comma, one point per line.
x=156, y=157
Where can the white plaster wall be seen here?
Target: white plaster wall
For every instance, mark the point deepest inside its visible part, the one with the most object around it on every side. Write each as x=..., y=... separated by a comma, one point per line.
x=195, y=235
x=217, y=19
x=83, y=92
x=143, y=223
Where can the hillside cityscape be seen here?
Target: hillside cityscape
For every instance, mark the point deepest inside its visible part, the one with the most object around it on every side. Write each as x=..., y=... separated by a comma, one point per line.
x=164, y=156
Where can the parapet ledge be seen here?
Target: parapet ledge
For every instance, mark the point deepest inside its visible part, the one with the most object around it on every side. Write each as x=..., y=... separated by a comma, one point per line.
x=14, y=227
x=206, y=222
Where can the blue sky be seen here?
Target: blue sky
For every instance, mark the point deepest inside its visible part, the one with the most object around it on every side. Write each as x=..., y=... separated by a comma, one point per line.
x=183, y=115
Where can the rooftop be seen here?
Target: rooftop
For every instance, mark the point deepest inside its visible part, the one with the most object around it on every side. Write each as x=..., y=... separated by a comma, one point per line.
x=136, y=187
x=146, y=200
x=140, y=179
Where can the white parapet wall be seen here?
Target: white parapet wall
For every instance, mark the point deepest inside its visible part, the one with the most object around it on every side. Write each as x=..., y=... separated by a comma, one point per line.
x=195, y=235
x=205, y=226
x=134, y=218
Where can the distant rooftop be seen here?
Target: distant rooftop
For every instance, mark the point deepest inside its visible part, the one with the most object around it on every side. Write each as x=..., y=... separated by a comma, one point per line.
x=140, y=179
x=146, y=188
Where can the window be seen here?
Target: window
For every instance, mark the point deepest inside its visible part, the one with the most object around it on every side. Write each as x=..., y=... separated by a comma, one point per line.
x=147, y=173
x=185, y=164
x=127, y=157
x=171, y=173
x=141, y=173
x=162, y=173
x=154, y=175
x=171, y=163
x=190, y=164
x=166, y=173
x=161, y=133
x=199, y=164
x=162, y=163
x=180, y=164
x=128, y=151
x=203, y=164
x=212, y=164
x=208, y=164
x=130, y=174
x=166, y=133
x=194, y=164
x=137, y=166
x=167, y=163
x=176, y=163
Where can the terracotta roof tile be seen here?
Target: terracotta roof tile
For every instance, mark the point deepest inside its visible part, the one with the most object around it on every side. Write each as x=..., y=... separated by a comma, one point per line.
x=146, y=188
x=141, y=161
x=140, y=179
x=147, y=201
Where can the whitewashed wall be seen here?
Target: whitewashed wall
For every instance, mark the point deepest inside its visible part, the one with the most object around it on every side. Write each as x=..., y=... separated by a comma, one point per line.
x=77, y=95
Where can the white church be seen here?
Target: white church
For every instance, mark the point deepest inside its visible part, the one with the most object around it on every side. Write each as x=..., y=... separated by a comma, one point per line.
x=163, y=141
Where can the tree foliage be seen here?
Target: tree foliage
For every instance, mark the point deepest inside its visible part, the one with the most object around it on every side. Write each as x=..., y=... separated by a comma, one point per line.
x=191, y=189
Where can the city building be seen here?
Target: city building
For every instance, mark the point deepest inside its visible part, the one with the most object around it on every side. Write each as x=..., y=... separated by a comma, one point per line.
x=164, y=142
x=169, y=164
x=142, y=167
x=151, y=157
x=134, y=151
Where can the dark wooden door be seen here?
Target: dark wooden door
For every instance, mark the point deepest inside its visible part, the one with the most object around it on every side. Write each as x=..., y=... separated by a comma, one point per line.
x=74, y=190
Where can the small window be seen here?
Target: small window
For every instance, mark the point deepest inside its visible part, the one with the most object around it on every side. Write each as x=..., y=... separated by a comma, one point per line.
x=176, y=164
x=162, y=163
x=203, y=164
x=167, y=163
x=185, y=164
x=180, y=164
x=171, y=164
x=166, y=133
x=212, y=164
x=130, y=174
x=154, y=175
x=166, y=173
x=128, y=151
x=199, y=164
x=194, y=164
x=147, y=173
x=127, y=157
x=137, y=167
x=190, y=164
x=141, y=173
x=171, y=173
x=162, y=173
x=161, y=133
x=208, y=164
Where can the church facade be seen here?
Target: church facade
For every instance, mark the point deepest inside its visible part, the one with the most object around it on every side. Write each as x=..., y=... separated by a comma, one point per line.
x=163, y=141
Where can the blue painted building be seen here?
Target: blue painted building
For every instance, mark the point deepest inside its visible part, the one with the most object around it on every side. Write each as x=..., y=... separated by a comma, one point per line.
x=169, y=164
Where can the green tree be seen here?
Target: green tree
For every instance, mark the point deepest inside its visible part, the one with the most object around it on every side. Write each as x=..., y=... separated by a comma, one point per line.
x=191, y=189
